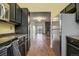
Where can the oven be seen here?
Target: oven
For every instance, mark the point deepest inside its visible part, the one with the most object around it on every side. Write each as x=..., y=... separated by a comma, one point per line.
x=72, y=47
x=72, y=50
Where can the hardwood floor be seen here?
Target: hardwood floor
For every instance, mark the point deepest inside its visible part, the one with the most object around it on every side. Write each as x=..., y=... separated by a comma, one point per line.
x=40, y=46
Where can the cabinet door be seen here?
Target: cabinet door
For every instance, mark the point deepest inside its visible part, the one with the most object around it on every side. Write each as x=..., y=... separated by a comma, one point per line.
x=23, y=28
x=18, y=14
x=12, y=12
x=25, y=16
x=71, y=8
x=22, y=48
x=77, y=12
x=29, y=43
x=26, y=46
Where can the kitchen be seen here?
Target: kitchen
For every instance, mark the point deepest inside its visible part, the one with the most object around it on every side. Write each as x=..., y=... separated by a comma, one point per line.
x=15, y=34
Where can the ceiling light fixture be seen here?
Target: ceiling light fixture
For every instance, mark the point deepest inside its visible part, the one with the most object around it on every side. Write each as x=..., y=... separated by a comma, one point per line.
x=39, y=18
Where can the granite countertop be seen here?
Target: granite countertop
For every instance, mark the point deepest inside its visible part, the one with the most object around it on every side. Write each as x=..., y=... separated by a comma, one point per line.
x=74, y=36
x=8, y=38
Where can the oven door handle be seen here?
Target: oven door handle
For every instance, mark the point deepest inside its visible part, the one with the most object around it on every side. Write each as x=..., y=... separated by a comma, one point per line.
x=73, y=46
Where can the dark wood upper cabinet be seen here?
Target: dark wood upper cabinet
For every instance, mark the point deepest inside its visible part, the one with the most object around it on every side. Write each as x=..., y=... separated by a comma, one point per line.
x=23, y=28
x=25, y=14
x=18, y=14
x=10, y=15
x=77, y=12
x=15, y=13
x=71, y=8
x=12, y=12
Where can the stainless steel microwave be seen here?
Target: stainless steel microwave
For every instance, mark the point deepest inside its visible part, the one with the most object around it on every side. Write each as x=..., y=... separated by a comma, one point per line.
x=4, y=11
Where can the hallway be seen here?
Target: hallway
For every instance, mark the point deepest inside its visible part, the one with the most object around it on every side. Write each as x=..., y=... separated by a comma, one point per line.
x=40, y=46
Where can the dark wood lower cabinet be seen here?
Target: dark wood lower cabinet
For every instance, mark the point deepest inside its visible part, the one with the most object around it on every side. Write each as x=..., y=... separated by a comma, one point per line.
x=11, y=50
x=22, y=48
x=21, y=43
x=29, y=44
x=24, y=45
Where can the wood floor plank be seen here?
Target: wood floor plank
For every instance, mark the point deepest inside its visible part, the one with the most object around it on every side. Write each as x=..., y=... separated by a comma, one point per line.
x=40, y=46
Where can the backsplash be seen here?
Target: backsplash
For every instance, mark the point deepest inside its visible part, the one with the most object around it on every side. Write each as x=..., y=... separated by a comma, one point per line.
x=6, y=28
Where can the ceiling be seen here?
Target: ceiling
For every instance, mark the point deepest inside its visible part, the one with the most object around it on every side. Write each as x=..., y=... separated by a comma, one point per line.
x=54, y=8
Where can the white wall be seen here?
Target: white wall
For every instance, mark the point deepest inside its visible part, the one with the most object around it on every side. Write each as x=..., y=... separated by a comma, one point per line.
x=55, y=32
x=69, y=27
x=56, y=41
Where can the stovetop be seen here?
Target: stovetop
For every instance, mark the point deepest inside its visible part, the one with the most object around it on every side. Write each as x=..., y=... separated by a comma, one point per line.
x=74, y=39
